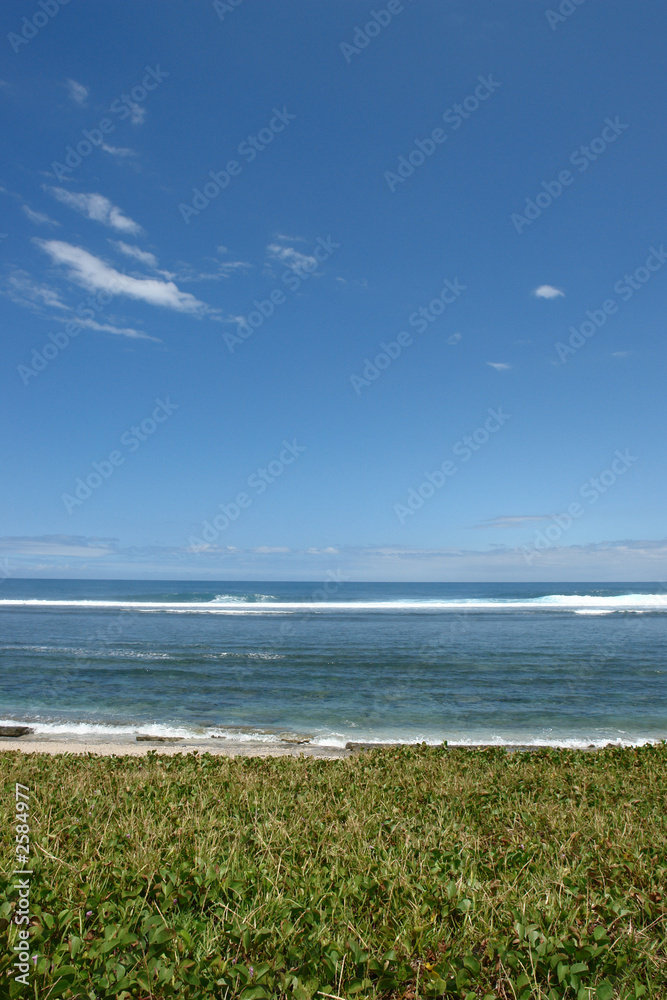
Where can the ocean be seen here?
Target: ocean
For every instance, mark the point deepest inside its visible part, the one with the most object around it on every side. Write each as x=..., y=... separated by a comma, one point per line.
x=552, y=664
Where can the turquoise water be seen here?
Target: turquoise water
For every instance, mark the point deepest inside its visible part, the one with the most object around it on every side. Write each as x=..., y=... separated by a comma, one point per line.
x=506, y=663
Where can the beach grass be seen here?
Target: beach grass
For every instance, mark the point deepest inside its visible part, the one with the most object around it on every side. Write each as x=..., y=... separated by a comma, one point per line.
x=411, y=872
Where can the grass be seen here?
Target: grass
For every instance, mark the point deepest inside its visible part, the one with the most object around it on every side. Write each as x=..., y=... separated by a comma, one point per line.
x=411, y=872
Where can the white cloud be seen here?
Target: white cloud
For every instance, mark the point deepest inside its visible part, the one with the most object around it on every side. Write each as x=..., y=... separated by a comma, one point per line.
x=39, y=218
x=137, y=114
x=329, y=551
x=22, y=290
x=55, y=545
x=268, y=549
x=123, y=331
x=500, y=366
x=548, y=292
x=621, y=354
x=291, y=257
x=143, y=256
x=454, y=339
x=212, y=549
x=78, y=92
x=94, y=274
x=96, y=207
x=290, y=239
x=186, y=272
x=512, y=520
x=122, y=152
x=235, y=265
x=229, y=319
x=613, y=561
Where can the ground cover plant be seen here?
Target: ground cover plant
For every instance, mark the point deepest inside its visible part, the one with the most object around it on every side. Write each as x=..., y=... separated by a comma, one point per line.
x=413, y=872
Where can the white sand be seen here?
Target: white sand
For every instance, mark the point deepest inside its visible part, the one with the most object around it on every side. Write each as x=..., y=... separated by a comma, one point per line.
x=123, y=747
x=128, y=746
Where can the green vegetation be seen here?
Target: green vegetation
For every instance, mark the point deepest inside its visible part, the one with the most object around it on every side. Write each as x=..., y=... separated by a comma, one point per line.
x=412, y=872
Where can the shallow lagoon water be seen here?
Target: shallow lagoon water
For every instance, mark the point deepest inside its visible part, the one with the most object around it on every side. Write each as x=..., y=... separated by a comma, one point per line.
x=558, y=664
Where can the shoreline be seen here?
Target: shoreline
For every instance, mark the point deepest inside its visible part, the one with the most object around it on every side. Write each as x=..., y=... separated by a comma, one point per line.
x=122, y=747
x=133, y=746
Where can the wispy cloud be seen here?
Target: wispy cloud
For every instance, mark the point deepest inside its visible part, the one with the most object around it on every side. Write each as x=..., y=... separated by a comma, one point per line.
x=137, y=114
x=143, y=256
x=56, y=545
x=512, y=520
x=500, y=366
x=94, y=274
x=223, y=269
x=38, y=217
x=209, y=549
x=24, y=291
x=77, y=92
x=234, y=265
x=548, y=292
x=123, y=331
x=621, y=354
x=290, y=239
x=290, y=257
x=613, y=560
x=120, y=152
x=96, y=207
x=231, y=318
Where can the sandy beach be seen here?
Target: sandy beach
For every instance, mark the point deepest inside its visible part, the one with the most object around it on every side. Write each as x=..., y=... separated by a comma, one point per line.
x=125, y=746
x=131, y=747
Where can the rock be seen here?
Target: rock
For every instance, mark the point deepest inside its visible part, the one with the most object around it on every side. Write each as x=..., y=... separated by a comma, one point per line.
x=159, y=739
x=15, y=730
x=287, y=738
x=371, y=746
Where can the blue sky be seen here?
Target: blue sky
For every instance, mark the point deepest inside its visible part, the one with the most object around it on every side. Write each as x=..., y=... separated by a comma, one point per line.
x=218, y=217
